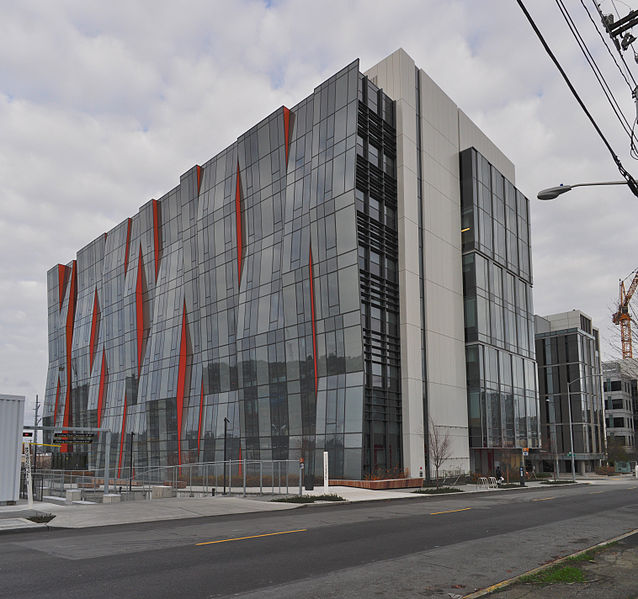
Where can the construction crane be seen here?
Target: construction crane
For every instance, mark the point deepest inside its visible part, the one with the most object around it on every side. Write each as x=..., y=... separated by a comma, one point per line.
x=622, y=317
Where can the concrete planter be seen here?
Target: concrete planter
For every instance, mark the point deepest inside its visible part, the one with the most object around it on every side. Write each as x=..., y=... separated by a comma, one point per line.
x=387, y=483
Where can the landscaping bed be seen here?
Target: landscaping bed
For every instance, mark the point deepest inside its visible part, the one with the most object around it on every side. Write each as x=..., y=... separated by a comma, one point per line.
x=308, y=498
x=439, y=491
x=380, y=484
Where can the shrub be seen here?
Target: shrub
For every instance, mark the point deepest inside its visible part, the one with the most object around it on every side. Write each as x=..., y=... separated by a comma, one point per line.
x=606, y=470
x=557, y=482
x=389, y=473
x=41, y=518
x=308, y=498
x=439, y=490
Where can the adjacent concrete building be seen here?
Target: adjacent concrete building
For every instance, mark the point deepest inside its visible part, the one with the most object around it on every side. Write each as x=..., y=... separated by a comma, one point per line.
x=570, y=388
x=322, y=284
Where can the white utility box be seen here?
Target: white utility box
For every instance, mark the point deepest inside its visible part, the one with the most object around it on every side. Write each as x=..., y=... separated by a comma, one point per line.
x=11, y=422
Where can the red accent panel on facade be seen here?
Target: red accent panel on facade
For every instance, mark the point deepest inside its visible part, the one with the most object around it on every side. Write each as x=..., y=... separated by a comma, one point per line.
x=139, y=310
x=128, y=243
x=287, y=130
x=100, y=395
x=57, y=397
x=199, y=177
x=95, y=322
x=201, y=409
x=312, y=312
x=61, y=284
x=181, y=384
x=119, y=462
x=156, y=234
x=238, y=216
x=105, y=236
x=70, y=322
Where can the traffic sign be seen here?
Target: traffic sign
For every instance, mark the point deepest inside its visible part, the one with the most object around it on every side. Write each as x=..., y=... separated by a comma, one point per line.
x=74, y=438
x=525, y=450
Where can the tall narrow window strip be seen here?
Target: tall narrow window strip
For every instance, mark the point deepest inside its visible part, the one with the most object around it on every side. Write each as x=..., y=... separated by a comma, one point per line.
x=201, y=409
x=239, y=224
x=61, y=284
x=199, y=178
x=156, y=235
x=139, y=311
x=287, y=131
x=312, y=312
x=70, y=323
x=100, y=395
x=94, y=330
x=119, y=462
x=57, y=398
x=128, y=243
x=181, y=384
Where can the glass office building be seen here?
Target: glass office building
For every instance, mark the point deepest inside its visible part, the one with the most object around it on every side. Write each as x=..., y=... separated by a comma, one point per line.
x=570, y=386
x=262, y=289
x=306, y=286
x=499, y=316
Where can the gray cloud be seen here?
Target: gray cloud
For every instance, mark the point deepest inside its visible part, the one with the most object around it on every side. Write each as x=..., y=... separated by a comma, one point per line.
x=103, y=106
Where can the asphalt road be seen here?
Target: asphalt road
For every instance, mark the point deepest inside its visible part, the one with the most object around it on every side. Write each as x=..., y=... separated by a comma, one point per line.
x=426, y=547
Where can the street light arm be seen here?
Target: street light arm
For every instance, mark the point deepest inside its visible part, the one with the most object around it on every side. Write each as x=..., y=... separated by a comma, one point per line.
x=552, y=193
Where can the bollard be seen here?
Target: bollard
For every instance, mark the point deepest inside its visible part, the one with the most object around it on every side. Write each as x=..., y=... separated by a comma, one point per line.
x=301, y=467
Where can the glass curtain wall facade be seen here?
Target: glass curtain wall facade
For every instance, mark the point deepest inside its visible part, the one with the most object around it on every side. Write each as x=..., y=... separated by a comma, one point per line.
x=499, y=325
x=262, y=289
x=376, y=201
x=569, y=368
x=621, y=398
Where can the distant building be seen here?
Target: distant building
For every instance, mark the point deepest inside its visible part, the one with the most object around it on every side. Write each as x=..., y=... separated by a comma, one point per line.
x=569, y=372
x=620, y=380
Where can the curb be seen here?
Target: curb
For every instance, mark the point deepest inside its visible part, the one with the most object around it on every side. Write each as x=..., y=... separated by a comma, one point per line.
x=407, y=497
x=505, y=583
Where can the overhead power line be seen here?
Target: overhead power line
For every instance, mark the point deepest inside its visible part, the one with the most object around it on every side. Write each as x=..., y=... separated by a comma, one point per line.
x=598, y=74
x=602, y=37
x=631, y=182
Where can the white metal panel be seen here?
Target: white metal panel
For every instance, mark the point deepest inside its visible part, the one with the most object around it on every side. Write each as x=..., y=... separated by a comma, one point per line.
x=11, y=422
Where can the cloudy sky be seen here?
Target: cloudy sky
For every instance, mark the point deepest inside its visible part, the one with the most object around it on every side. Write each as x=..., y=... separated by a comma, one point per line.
x=104, y=105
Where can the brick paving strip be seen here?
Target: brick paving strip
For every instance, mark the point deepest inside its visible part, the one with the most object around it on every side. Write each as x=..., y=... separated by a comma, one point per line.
x=610, y=574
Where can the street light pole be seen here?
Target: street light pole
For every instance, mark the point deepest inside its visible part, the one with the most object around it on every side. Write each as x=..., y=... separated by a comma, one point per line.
x=571, y=431
x=554, y=440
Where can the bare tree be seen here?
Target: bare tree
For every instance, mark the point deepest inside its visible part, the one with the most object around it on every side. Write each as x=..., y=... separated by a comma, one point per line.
x=440, y=447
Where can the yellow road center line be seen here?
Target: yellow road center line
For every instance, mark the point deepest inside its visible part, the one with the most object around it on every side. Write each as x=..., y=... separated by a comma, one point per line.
x=544, y=499
x=268, y=534
x=450, y=511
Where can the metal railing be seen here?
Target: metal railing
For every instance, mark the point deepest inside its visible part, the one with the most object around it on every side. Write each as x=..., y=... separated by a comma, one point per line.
x=245, y=477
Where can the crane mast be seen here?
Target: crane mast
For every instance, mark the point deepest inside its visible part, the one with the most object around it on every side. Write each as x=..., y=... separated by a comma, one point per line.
x=622, y=317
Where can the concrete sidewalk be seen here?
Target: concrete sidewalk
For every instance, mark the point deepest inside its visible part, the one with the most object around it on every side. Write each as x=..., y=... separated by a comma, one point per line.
x=14, y=518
